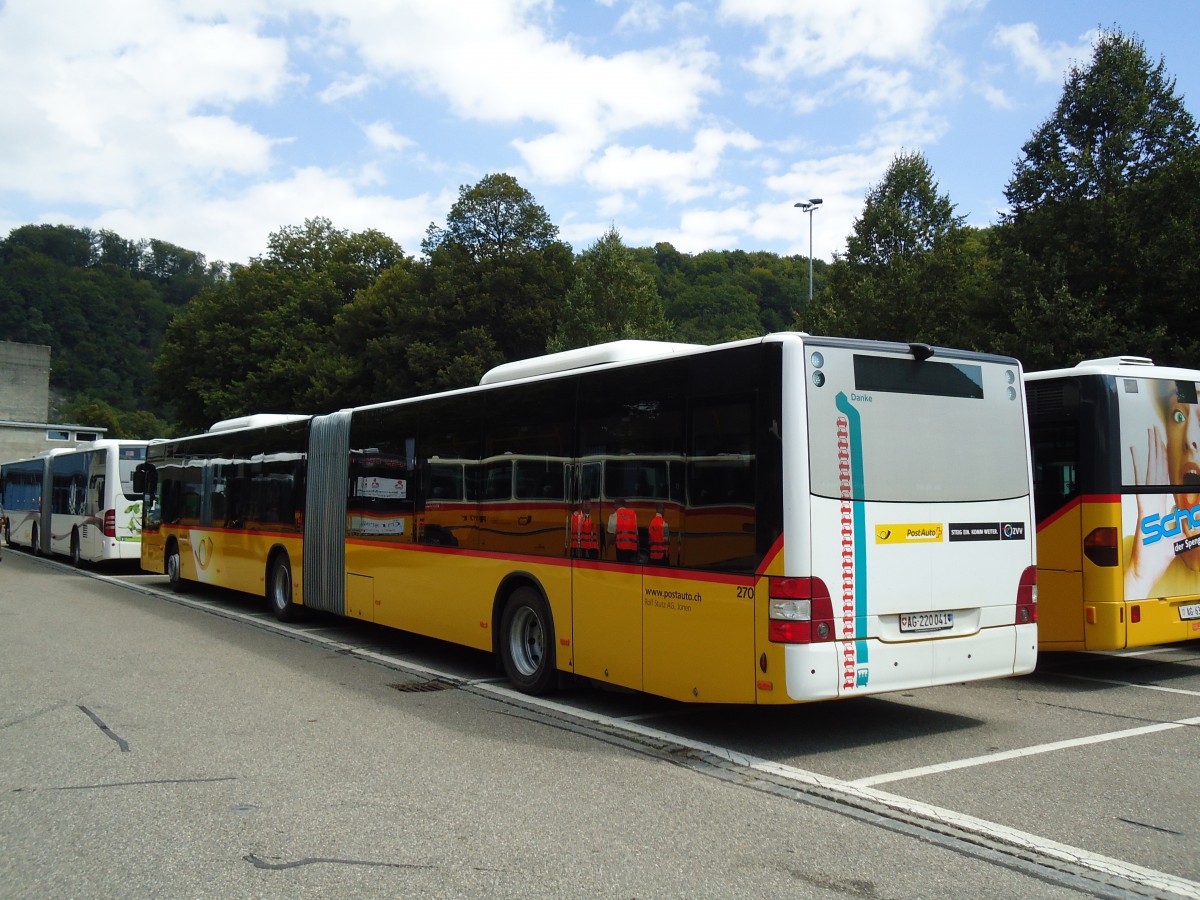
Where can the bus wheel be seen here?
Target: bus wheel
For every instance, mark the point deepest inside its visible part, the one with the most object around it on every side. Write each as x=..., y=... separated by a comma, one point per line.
x=527, y=642
x=76, y=553
x=279, y=590
x=175, y=569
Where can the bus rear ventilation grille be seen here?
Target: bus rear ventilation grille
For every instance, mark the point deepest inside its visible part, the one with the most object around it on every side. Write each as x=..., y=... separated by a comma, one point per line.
x=1047, y=399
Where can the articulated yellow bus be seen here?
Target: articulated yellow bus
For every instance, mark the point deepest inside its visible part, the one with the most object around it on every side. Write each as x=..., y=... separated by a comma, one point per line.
x=1117, y=492
x=770, y=521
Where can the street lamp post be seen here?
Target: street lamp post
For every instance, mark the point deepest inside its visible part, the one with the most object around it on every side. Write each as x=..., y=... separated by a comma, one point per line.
x=810, y=207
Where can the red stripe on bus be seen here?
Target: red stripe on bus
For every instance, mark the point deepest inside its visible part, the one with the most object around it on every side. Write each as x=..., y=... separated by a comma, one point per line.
x=776, y=549
x=1078, y=501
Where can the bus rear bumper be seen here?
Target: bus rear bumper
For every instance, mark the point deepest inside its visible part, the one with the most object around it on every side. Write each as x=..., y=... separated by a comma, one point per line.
x=122, y=549
x=859, y=668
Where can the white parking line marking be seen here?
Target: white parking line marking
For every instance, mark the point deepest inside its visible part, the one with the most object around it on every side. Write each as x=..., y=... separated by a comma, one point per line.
x=1129, y=654
x=1133, y=684
x=1005, y=755
x=1012, y=837
x=860, y=789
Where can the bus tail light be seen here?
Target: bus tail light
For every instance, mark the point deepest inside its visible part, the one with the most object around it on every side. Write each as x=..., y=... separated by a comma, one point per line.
x=1027, y=596
x=801, y=611
x=110, y=523
x=1100, y=546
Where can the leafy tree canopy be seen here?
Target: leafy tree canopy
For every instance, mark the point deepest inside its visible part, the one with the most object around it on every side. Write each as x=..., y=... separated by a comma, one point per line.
x=612, y=299
x=495, y=219
x=904, y=276
x=101, y=303
x=1104, y=222
x=258, y=341
x=1118, y=120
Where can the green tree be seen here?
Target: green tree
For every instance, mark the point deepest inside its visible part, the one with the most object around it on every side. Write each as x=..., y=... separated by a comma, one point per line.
x=1117, y=121
x=1102, y=219
x=611, y=299
x=763, y=292
x=499, y=257
x=905, y=275
x=495, y=220
x=262, y=340
x=90, y=298
x=714, y=309
x=488, y=292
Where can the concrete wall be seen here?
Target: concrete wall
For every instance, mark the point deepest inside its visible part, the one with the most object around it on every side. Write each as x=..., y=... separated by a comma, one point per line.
x=24, y=382
x=19, y=440
x=25, y=405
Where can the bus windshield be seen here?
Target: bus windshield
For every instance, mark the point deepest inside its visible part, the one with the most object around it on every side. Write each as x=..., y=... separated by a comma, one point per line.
x=129, y=458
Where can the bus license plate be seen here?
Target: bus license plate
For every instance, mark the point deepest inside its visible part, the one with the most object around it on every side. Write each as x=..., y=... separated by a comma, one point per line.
x=1191, y=611
x=926, y=621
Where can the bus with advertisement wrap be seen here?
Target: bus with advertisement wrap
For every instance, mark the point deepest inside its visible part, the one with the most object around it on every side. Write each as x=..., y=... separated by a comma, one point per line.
x=770, y=521
x=78, y=503
x=1117, y=493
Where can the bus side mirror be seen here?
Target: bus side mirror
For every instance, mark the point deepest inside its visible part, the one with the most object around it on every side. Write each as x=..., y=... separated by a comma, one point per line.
x=145, y=479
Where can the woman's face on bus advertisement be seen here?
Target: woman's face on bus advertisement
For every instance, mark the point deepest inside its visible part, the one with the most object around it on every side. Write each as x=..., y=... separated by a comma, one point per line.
x=1183, y=450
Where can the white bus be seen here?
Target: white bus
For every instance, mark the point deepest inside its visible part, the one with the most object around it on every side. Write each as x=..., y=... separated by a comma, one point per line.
x=76, y=503
x=803, y=518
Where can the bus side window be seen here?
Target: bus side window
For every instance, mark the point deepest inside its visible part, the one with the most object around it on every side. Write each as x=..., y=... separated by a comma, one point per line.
x=720, y=482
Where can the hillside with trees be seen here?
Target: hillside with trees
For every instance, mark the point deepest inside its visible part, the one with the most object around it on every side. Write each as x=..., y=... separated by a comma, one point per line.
x=102, y=304
x=1096, y=256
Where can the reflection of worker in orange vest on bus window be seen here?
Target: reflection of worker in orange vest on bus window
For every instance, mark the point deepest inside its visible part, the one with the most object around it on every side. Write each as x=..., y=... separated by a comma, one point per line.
x=622, y=526
x=584, y=541
x=660, y=538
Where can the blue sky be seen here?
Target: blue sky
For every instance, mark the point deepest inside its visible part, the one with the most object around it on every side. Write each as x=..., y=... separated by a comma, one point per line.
x=212, y=123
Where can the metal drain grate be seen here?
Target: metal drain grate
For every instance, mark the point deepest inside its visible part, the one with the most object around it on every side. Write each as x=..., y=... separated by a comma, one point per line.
x=421, y=687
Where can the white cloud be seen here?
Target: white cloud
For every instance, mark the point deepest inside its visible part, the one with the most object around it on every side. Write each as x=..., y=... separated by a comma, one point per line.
x=212, y=123
x=384, y=137
x=114, y=101
x=896, y=91
x=841, y=181
x=645, y=16
x=815, y=37
x=225, y=227
x=346, y=86
x=679, y=175
x=613, y=205
x=1046, y=62
x=493, y=62
x=996, y=97
x=559, y=157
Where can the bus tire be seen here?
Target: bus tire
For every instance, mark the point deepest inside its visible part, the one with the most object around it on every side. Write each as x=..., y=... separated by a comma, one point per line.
x=76, y=552
x=174, y=567
x=279, y=590
x=527, y=642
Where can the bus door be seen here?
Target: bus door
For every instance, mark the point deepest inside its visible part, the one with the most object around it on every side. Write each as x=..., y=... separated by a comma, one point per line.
x=606, y=579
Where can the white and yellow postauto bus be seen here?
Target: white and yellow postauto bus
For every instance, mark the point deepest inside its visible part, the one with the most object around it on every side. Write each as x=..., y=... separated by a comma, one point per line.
x=78, y=503
x=1116, y=451
x=845, y=517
